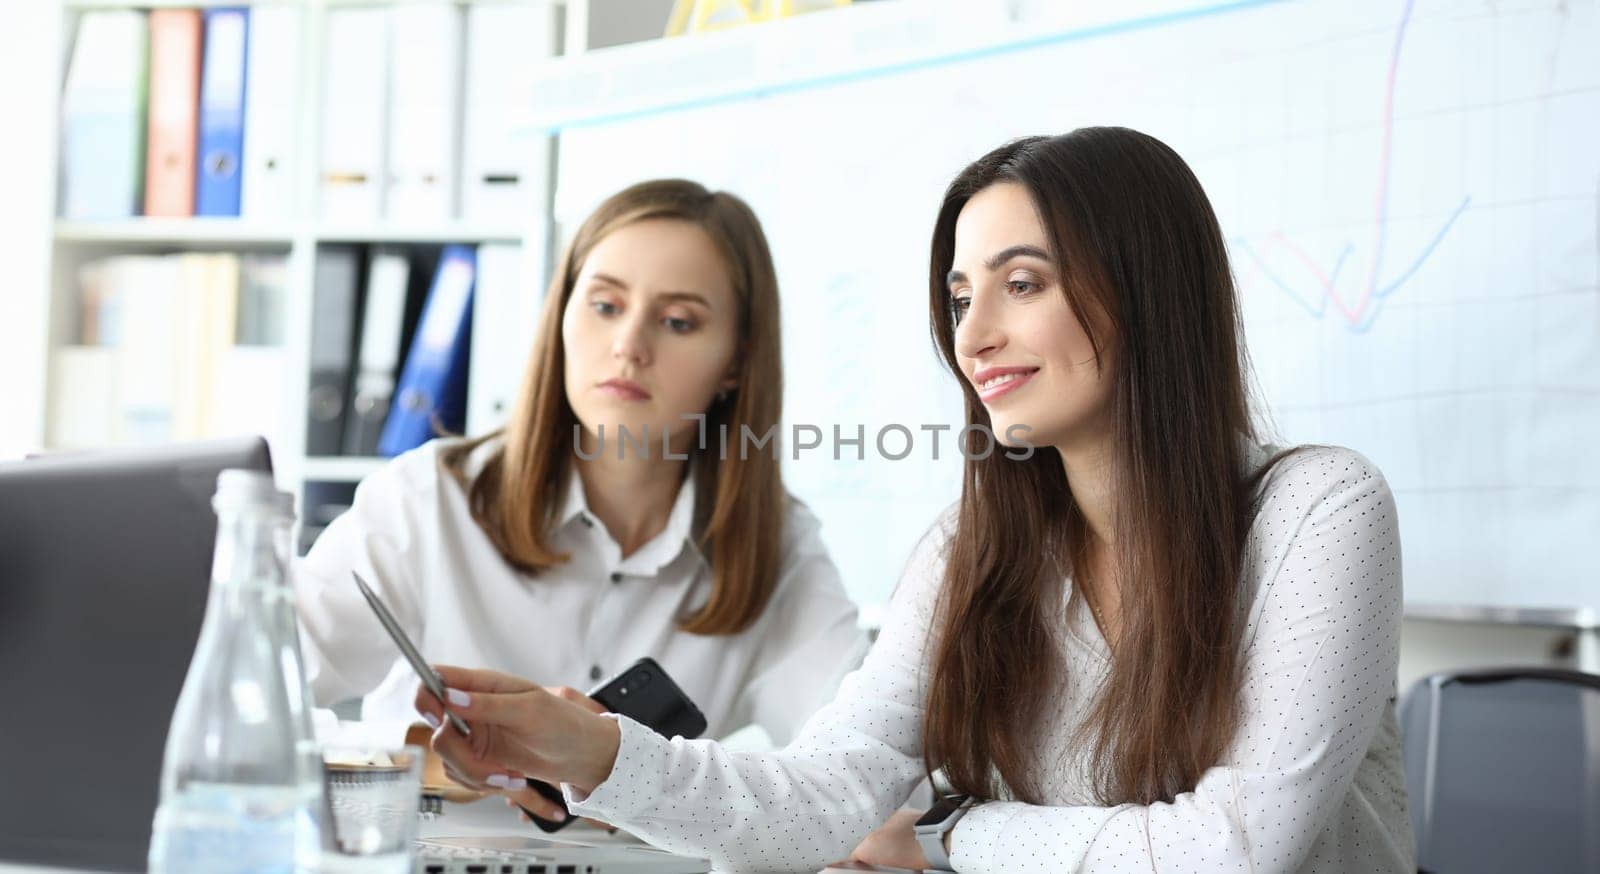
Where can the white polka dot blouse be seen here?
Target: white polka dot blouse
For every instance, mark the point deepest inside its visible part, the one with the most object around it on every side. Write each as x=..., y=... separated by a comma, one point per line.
x=1311, y=783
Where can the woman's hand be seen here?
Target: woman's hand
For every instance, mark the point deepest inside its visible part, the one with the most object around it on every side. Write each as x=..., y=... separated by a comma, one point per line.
x=893, y=844
x=520, y=731
x=522, y=800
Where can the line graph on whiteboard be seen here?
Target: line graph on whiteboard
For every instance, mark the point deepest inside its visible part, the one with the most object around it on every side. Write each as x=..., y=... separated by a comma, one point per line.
x=1319, y=289
x=1409, y=196
x=1421, y=281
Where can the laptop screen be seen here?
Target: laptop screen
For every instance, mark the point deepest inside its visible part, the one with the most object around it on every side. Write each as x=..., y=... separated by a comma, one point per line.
x=105, y=561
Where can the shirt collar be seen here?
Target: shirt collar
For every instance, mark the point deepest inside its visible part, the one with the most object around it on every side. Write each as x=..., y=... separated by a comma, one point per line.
x=574, y=506
x=662, y=549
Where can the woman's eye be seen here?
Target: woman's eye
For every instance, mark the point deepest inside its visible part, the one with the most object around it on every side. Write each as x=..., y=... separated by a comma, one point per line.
x=677, y=325
x=959, y=307
x=1022, y=286
x=604, y=307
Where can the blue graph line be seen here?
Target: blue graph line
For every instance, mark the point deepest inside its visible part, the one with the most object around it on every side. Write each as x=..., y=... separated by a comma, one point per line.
x=1428, y=250
x=1315, y=311
x=1375, y=303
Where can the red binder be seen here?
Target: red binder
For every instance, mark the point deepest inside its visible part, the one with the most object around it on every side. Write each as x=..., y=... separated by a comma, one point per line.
x=174, y=112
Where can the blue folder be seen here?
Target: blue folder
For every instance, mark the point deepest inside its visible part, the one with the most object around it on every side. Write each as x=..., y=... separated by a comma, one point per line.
x=222, y=87
x=432, y=394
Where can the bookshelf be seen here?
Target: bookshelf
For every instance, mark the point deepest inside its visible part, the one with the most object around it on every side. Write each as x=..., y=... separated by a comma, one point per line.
x=302, y=233
x=228, y=231
x=559, y=68
x=172, y=232
x=442, y=233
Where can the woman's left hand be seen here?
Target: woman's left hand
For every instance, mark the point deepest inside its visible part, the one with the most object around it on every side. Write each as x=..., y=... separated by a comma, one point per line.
x=893, y=844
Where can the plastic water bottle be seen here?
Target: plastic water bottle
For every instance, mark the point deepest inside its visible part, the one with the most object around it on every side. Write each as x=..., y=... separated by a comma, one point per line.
x=241, y=784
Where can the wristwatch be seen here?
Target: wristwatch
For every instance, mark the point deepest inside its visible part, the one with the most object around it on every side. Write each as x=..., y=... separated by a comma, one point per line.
x=935, y=824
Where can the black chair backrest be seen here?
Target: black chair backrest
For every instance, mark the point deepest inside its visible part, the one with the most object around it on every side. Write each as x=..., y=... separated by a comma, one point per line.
x=1503, y=770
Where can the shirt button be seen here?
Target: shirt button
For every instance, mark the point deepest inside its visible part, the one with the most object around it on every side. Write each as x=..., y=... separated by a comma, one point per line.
x=616, y=577
x=594, y=673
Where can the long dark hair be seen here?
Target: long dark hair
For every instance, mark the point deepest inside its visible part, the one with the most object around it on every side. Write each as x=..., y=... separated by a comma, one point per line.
x=1138, y=247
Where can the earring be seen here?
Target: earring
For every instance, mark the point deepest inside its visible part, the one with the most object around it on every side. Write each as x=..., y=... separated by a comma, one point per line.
x=723, y=395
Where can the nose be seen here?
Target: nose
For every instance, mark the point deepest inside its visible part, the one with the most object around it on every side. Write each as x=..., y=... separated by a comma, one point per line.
x=979, y=334
x=630, y=342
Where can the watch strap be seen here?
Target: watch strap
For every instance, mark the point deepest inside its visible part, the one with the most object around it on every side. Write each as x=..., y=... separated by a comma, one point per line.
x=931, y=839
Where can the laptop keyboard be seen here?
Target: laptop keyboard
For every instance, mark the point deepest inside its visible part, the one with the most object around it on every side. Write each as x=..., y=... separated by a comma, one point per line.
x=483, y=860
x=477, y=854
x=471, y=860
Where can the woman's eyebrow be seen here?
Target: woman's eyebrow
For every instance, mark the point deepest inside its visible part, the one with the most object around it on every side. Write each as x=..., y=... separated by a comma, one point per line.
x=1010, y=252
x=687, y=296
x=1000, y=258
x=668, y=296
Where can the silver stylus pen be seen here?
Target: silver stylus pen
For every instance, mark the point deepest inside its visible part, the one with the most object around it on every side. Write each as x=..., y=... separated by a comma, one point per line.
x=430, y=678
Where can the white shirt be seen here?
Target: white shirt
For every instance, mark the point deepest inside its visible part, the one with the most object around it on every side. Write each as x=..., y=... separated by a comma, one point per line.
x=410, y=534
x=1312, y=783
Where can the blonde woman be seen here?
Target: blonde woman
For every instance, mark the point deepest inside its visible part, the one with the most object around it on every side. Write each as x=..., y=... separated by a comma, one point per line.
x=554, y=549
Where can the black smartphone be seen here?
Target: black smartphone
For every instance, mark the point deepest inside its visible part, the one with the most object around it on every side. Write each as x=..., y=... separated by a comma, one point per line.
x=646, y=694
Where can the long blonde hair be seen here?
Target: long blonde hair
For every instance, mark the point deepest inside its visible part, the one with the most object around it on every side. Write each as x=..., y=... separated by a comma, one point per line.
x=739, y=500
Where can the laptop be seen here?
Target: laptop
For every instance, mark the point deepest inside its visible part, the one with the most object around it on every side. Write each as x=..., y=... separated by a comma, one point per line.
x=105, y=563
x=105, y=566
x=511, y=854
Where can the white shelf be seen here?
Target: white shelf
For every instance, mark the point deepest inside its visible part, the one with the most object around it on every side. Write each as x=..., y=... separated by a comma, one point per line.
x=351, y=469
x=463, y=232
x=231, y=231
x=174, y=231
x=173, y=4
x=78, y=5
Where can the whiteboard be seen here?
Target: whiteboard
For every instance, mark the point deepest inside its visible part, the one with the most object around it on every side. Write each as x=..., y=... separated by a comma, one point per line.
x=1410, y=192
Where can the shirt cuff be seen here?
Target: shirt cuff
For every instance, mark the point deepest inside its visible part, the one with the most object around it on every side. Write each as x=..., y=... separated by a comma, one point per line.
x=973, y=840
x=635, y=783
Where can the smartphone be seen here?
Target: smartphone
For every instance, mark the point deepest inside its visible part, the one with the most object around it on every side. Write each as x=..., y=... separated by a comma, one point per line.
x=646, y=694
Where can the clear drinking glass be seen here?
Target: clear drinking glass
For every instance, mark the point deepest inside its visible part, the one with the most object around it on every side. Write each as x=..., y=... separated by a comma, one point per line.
x=373, y=795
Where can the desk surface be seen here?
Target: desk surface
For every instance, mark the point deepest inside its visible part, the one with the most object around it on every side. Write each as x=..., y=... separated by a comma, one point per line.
x=487, y=817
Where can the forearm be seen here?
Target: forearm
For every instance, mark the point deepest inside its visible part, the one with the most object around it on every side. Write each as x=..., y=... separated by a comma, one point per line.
x=795, y=809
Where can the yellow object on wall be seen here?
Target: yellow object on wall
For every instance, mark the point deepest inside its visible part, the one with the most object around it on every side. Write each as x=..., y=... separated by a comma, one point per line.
x=699, y=16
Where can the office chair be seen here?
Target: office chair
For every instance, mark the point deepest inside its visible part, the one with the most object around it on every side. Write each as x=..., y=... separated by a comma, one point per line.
x=1503, y=770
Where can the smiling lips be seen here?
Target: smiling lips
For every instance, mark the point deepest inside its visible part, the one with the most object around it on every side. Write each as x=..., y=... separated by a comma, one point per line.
x=624, y=389
x=994, y=382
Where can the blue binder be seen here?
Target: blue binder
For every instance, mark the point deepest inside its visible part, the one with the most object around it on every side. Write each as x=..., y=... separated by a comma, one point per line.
x=432, y=394
x=222, y=88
